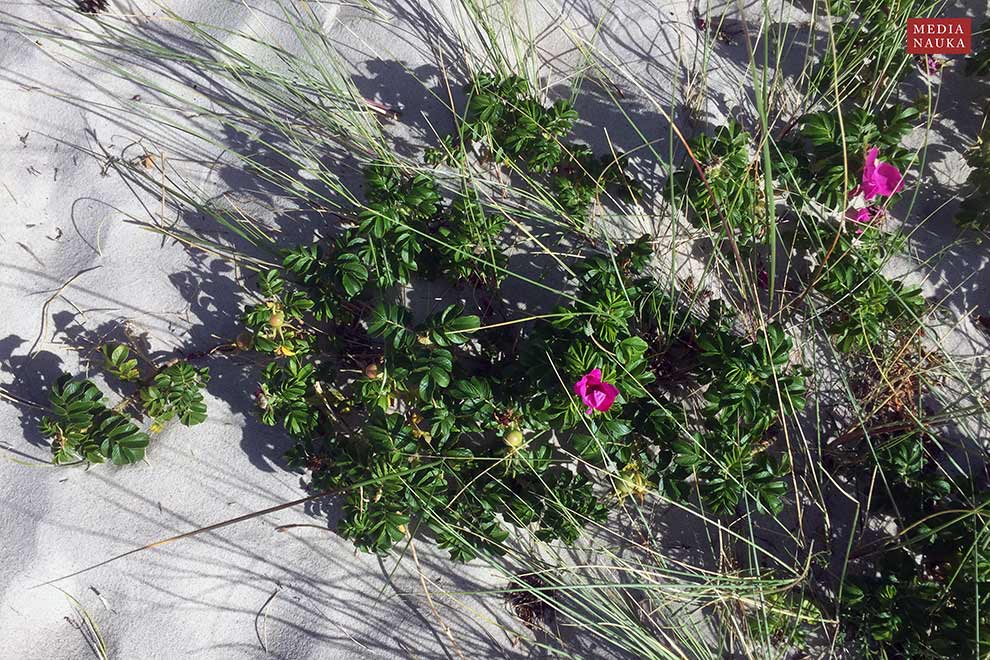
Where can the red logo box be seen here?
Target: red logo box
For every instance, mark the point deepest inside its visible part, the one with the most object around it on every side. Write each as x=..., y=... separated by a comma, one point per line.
x=939, y=36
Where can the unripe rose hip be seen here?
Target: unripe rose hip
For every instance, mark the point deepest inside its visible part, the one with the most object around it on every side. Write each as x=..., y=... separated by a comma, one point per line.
x=244, y=341
x=514, y=439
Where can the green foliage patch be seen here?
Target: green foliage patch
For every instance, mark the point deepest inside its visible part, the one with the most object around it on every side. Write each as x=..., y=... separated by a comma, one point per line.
x=83, y=429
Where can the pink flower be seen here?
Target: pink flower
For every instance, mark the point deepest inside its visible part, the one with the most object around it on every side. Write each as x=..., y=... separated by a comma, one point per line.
x=867, y=215
x=594, y=393
x=880, y=178
x=930, y=63
x=862, y=215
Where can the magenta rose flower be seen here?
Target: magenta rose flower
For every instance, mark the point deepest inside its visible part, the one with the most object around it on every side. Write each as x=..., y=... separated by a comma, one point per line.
x=595, y=393
x=866, y=216
x=880, y=178
x=863, y=215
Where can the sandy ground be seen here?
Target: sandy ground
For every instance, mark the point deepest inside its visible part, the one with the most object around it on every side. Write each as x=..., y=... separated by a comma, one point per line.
x=72, y=271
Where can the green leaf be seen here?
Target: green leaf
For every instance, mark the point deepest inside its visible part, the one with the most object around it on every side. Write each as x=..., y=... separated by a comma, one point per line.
x=687, y=453
x=449, y=328
x=353, y=273
x=176, y=392
x=631, y=350
x=118, y=363
x=390, y=322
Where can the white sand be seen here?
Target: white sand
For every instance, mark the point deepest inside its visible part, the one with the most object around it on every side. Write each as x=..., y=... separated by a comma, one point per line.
x=59, y=216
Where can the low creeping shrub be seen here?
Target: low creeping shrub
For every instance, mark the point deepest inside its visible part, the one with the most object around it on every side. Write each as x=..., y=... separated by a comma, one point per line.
x=82, y=428
x=368, y=391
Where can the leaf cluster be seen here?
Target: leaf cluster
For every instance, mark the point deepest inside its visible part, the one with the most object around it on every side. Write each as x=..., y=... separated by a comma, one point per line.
x=927, y=599
x=507, y=120
x=868, y=309
x=729, y=186
x=82, y=428
x=824, y=146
